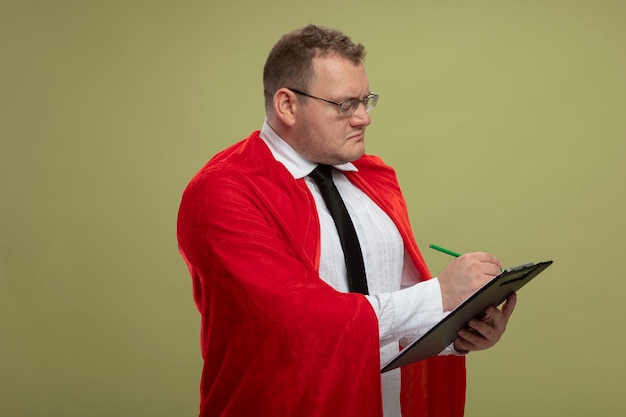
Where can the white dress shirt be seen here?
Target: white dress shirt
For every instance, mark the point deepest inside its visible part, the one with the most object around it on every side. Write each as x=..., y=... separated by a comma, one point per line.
x=405, y=307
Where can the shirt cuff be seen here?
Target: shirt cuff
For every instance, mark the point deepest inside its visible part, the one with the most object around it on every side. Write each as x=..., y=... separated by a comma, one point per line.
x=450, y=350
x=407, y=314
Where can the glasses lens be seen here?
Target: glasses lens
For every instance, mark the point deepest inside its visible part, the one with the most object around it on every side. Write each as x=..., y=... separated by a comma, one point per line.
x=370, y=102
x=350, y=106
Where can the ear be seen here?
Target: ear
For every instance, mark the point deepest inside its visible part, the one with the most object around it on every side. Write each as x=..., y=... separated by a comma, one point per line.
x=286, y=106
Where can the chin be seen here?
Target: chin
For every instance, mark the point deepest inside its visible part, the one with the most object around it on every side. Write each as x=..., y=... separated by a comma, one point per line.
x=350, y=154
x=353, y=157
x=359, y=153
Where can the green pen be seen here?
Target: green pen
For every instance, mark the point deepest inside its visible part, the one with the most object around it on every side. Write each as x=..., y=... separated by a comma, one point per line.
x=444, y=250
x=448, y=251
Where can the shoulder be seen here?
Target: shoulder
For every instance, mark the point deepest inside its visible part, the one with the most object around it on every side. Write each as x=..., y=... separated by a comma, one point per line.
x=246, y=170
x=233, y=164
x=373, y=169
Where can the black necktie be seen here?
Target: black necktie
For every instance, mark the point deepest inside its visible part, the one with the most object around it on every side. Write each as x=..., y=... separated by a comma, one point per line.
x=323, y=177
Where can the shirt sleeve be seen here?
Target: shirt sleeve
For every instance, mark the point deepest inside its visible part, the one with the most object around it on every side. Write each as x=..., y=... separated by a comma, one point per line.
x=405, y=315
x=408, y=313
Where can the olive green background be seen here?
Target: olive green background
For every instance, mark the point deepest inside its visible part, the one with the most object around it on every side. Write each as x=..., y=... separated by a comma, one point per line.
x=504, y=119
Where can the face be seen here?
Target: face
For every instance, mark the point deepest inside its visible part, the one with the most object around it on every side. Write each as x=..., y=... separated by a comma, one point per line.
x=321, y=133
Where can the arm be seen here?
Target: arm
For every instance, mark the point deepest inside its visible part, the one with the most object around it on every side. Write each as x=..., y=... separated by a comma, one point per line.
x=269, y=324
x=408, y=313
x=241, y=242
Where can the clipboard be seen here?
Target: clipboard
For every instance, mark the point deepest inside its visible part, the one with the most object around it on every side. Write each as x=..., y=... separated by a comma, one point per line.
x=445, y=332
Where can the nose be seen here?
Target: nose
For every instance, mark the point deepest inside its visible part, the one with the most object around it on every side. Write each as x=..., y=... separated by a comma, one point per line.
x=360, y=117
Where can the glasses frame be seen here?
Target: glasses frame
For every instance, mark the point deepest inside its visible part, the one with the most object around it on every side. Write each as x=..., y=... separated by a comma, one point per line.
x=369, y=102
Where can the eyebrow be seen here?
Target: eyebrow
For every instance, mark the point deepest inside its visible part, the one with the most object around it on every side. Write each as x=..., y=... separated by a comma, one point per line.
x=355, y=98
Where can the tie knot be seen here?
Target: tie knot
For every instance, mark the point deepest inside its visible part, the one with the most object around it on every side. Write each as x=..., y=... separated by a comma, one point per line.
x=322, y=173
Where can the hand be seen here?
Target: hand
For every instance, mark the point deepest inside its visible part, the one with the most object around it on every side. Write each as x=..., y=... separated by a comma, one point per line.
x=466, y=274
x=485, y=332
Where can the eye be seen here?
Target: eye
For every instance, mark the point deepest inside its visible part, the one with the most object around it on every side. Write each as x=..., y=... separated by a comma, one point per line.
x=345, y=106
x=349, y=105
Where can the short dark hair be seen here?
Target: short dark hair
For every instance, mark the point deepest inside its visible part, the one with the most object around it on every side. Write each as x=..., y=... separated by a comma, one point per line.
x=290, y=62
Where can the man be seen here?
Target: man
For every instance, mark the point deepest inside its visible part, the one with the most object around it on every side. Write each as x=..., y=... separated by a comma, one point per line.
x=282, y=335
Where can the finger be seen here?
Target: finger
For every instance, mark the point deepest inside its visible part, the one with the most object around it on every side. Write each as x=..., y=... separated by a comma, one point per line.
x=498, y=320
x=488, y=332
x=487, y=258
x=462, y=345
x=509, y=305
x=478, y=266
x=472, y=341
x=484, y=328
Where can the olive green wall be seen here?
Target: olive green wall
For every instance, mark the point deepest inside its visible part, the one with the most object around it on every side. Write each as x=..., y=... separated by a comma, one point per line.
x=505, y=121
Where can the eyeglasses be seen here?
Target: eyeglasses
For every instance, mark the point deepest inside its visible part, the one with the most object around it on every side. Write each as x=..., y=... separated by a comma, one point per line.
x=347, y=107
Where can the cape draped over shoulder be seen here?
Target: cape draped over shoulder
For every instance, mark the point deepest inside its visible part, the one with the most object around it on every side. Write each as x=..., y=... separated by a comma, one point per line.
x=275, y=338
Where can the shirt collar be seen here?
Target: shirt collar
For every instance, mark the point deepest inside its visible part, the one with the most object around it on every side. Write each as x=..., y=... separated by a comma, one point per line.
x=295, y=163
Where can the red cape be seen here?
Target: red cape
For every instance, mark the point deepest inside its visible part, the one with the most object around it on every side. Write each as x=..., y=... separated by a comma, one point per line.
x=276, y=339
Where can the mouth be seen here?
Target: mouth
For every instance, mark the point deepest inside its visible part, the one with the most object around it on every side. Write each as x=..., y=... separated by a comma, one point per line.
x=358, y=136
